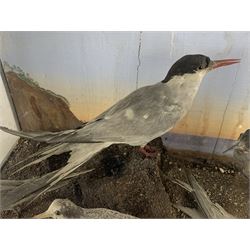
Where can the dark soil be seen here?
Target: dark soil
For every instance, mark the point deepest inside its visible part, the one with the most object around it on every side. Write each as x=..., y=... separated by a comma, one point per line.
x=126, y=181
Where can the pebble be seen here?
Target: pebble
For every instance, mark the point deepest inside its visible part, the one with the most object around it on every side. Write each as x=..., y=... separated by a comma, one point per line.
x=222, y=170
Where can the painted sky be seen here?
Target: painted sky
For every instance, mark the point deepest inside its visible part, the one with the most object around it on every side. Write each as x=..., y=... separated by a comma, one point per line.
x=95, y=69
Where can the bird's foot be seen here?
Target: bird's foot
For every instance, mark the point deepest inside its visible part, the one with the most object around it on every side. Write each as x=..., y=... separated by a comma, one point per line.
x=148, y=151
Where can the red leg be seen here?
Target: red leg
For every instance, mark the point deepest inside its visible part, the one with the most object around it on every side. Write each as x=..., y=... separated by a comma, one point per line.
x=148, y=151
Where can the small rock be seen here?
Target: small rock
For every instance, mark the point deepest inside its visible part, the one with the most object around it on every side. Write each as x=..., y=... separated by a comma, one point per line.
x=222, y=170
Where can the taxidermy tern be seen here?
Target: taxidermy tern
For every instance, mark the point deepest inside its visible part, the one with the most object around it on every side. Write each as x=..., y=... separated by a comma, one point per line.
x=66, y=209
x=137, y=119
x=241, y=153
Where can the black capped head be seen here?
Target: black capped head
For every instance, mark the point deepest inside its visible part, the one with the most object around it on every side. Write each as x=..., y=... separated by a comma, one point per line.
x=191, y=64
x=187, y=65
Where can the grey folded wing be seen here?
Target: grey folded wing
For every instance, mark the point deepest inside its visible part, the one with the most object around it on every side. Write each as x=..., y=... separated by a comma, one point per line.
x=138, y=118
x=206, y=208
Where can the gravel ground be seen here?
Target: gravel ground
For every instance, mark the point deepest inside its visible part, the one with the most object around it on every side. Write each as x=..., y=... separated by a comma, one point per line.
x=126, y=181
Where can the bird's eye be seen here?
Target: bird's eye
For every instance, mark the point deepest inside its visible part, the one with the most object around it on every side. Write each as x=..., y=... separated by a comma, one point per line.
x=57, y=212
x=200, y=67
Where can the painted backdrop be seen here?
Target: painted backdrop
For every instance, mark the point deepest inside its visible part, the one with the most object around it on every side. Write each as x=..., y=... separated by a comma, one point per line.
x=95, y=69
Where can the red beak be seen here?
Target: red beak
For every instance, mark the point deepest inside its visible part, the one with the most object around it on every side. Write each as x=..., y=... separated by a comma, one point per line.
x=224, y=62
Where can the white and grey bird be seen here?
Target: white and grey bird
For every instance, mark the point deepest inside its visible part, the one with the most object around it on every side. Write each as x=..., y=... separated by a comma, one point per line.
x=140, y=117
x=66, y=209
x=241, y=153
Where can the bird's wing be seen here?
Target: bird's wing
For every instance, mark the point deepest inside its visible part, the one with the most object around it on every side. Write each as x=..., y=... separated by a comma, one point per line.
x=210, y=209
x=207, y=209
x=104, y=213
x=41, y=136
x=204, y=202
x=242, y=141
x=14, y=192
x=31, y=189
x=191, y=212
x=230, y=148
x=141, y=116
